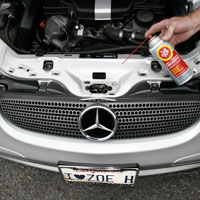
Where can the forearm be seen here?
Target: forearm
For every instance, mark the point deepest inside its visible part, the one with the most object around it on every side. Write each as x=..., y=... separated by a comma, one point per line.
x=195, y=20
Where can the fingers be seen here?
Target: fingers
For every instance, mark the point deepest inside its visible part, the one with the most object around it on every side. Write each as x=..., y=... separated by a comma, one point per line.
x=156, y=28
x=170, y=32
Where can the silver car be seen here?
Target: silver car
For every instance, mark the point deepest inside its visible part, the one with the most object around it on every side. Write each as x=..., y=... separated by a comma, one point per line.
x=68, y=104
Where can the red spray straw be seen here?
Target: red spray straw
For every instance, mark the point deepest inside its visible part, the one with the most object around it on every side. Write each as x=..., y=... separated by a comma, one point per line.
x=149, y=37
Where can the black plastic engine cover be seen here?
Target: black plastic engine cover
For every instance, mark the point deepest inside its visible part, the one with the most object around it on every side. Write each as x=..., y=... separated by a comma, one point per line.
x=89, y=9
x=121, y=8
x=94, y=9
x=57, y=7
x=84, y=9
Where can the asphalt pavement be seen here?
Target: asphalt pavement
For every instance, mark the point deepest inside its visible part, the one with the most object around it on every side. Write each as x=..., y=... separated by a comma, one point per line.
x=23, y=183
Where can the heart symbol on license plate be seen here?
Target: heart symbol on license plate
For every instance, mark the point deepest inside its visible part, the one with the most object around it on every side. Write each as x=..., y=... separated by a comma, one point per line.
x=81, y=177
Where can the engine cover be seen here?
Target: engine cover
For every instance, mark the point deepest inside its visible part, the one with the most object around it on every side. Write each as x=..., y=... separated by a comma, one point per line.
x=102, y=9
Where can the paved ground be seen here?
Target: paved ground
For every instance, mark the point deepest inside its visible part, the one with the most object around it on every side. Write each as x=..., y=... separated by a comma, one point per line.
x=24, y=183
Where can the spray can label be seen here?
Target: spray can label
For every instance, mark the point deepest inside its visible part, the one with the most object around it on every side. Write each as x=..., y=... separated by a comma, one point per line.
x=172, y=60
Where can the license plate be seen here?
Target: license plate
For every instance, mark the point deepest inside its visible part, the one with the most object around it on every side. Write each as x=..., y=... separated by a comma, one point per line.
x=94, y=175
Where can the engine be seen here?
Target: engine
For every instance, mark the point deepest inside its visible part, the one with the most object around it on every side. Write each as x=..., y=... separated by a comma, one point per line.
x=98, y=23
x=92, y=26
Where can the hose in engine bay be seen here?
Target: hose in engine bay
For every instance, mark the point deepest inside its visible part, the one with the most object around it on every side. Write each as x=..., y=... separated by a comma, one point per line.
x=7, y=29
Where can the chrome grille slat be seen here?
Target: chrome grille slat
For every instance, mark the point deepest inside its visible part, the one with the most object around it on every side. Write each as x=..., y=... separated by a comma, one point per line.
x=156, y=118
x=45, y=110
x=45, y=123
x=152, y=125
x=45, y=117
x=155, y=112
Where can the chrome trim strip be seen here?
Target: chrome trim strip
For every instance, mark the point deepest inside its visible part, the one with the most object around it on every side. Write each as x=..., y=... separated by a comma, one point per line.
x=102, y=10
x=160, y=171
x=98, y=99
x=11, y=152
x=187, y=159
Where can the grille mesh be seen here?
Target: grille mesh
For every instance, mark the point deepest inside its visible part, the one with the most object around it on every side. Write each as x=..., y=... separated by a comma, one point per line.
x=134, y=119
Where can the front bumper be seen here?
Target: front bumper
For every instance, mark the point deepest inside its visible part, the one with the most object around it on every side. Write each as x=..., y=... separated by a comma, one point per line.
x=154, y=155
x=147, y=172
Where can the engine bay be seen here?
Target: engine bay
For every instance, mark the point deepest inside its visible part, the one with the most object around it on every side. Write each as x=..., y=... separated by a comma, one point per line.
x=85, y=27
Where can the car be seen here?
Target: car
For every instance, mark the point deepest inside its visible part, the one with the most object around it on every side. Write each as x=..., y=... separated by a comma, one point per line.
x=69, y=105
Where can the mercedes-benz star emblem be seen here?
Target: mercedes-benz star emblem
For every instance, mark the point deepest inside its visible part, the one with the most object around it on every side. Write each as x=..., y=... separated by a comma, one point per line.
x=97, y=123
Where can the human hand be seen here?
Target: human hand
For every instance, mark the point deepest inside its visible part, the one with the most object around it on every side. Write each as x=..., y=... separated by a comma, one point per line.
x=175, y=30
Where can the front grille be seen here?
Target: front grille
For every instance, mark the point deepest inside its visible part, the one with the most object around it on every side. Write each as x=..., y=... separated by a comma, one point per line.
x=135, y=119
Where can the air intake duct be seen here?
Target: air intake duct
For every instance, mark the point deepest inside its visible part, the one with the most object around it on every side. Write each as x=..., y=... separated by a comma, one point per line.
x=28, y=24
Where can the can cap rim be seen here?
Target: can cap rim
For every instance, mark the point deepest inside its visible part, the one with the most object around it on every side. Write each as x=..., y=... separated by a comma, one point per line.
x=153, y=38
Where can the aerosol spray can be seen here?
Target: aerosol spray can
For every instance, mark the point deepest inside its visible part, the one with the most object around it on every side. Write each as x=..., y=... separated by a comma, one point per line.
x=170, y=60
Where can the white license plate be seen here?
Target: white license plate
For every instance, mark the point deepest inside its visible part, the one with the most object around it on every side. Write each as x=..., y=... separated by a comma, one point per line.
x=108, y=176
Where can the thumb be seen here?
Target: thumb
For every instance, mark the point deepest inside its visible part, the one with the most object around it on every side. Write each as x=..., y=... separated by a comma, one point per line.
x=169, y=33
